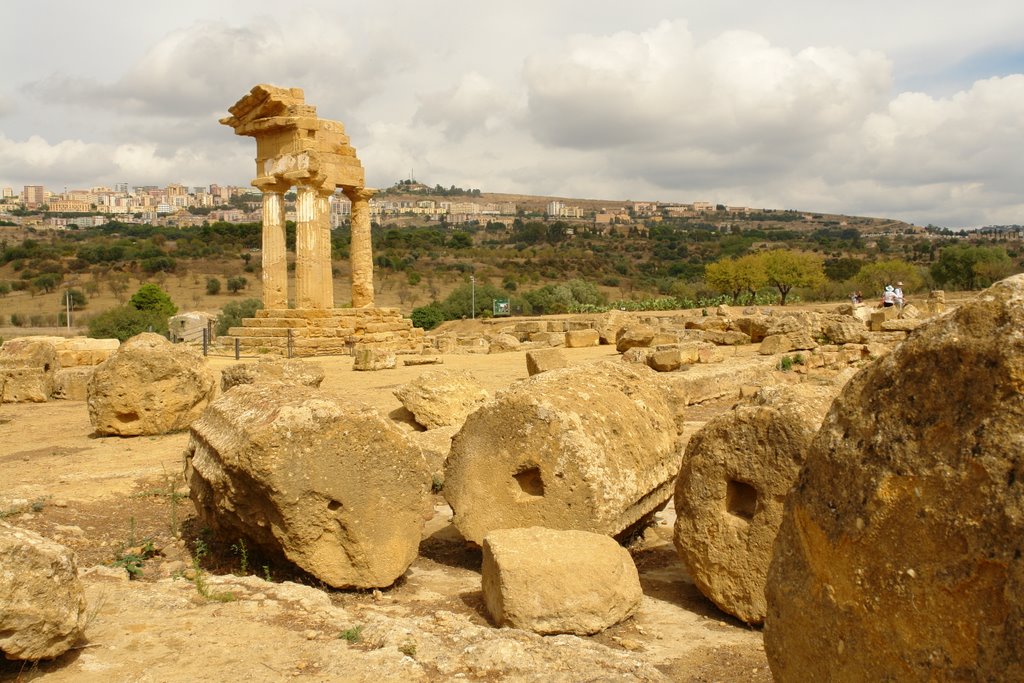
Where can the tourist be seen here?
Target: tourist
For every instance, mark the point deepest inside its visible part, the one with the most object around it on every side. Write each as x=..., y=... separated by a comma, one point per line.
x=889, y=296
x=898, y=292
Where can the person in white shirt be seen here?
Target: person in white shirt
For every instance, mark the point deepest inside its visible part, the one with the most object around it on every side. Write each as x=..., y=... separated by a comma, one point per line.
x=898, y=292
x=889, y=296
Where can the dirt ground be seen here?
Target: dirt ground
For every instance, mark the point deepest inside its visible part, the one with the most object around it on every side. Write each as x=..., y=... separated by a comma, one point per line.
x=203, y=608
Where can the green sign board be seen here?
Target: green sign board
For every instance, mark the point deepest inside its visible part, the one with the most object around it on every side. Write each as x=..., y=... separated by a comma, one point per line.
x=502, y=307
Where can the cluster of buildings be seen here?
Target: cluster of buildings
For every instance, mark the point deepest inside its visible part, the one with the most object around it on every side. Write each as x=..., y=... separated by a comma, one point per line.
x=172, y=206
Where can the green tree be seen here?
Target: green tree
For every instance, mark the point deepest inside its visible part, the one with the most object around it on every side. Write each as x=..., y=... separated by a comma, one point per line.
x=873, y=277
x=212, y=286
x=47, y=282
x=150, y=297
x=785, y=269
x=78, y=299
x=736, y=276
x=428, y=317
x=232, y=313
x=968, y=267
x=125, y=322
x=237, y=284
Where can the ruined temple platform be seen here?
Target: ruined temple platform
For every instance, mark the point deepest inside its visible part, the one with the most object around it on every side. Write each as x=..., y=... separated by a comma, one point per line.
x=325, y=332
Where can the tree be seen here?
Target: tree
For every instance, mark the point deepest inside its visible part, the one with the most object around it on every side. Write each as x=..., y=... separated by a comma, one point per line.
x=125, y=322
x=428, y=317
x=78, y=299
x=212, y=286
x=735, y=276
x=232, y=313
x=787, y=269
x=967, y=267
x=118, y=284
x=150, y=297
x=237, y=284
x=873, y=277
x=47, y=282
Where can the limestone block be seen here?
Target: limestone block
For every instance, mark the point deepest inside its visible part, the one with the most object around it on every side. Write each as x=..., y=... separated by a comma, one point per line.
x=529, y=327
x=728, y=497
x=754, y=326
x=636, y=335
x=726, y=337
x=43, y=601
x=711, y=322
x=667, y=360
x=266, y=369
x=442, y=398
x=774, y=344
x=333, y=486
x=28, y=365
x=590, y=447
x=575, y=339
x=423, y=360
x=149, y=386
x=72, y=384
x=558, y=326
x=910, y=312
x=610, y=323
x=881, y=315
x=710, y=355
x=373, y=358
x=637, y=354
x=665, y=338
x=844, y=330
x=549, y=581
x=544, y=360
x=899, y=555
x=901, y=325
x=801, y=329
x=503, y=343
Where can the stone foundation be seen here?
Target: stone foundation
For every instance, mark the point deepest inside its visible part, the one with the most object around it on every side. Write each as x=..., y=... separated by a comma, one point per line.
x=325, y=332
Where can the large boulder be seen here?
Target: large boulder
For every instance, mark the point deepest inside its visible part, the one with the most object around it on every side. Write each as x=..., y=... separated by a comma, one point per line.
x=844, y=330
x=370, y=358
x=802, y=329
x=611, y=323
x=335, y=487
x=544, y=360
x=755, y=326
x=442, y=398
x=899, y=556
x=43, y=603
x=575, y=339
x=635, y=336
x=591, y=447
x=28, y=366
x=550, y=581
x=503, y=343
x=728, y=497
x=270, y=369
x=149, y=386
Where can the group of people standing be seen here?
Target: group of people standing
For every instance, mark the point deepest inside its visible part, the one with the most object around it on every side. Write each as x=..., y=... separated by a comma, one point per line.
x=893, y=296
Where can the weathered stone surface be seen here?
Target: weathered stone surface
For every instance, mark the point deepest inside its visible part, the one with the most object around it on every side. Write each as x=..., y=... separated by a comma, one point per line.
x=266, y=369
x=544, y=360
x=775, y=343
x=754, y=326
x=844, y=330
x=635, y=336
x=442, y=398
x=901, y=325
x=28, y=366
x=726, y=337
x=910, y=312
x=503, y=343
x=575, y=339
x=881, y=315
x=72, y=384
x=43, y=604
x=708, y=323
x=611, y=323
x=370, y=358
x=335, y=487
x=711, y=354
x=667, y=360
x=899, y=555
x=590, y=447
x=79, y=351
x=801, y=329
x=728, y=497
x=550, y=581
x=423, y=360
x=149, y=386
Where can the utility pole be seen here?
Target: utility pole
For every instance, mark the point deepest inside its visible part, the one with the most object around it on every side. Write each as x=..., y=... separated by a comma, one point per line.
x=472, y=281
x=67, y=302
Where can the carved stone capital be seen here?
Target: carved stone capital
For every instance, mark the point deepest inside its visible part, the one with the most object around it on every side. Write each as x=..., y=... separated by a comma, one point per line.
x=355, y=194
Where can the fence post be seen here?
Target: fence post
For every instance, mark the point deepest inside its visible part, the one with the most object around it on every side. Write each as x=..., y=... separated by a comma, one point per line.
x=237, y=347
x=206, y=343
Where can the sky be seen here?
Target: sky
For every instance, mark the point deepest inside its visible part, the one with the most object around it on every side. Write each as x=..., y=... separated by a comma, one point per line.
x=910, y=110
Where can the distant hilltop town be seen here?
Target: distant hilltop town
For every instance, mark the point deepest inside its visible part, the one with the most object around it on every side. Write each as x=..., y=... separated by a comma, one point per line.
x=181, y=206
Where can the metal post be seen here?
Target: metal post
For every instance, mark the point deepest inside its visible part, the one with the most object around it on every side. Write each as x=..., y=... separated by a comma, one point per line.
x=238, y=346
x=67, y=302
x=206, y=342
x=472, y=281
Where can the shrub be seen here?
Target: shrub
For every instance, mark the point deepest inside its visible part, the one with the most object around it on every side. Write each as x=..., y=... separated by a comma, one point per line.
x=150, y=297
x=428, y=317
x=124, y=322
x=212, y=286
x=237, y=284
x=232, y=313
x=17, y=320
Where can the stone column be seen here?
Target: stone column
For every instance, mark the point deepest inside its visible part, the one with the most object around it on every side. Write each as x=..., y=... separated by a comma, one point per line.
x=274, y=273
x=323, y=218
x=361, y=250
x=307, y=248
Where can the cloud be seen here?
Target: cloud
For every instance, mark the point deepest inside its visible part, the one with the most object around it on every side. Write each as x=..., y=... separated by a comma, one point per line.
x=475, y=103
x=202, y=69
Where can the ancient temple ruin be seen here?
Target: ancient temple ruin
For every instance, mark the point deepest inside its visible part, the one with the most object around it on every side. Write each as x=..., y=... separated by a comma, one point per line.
x=295, y=148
